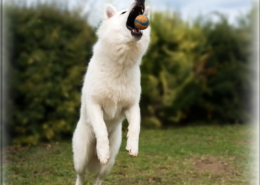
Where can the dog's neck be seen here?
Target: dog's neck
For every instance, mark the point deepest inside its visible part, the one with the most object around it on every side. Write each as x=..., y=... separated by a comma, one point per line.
x=125, y=54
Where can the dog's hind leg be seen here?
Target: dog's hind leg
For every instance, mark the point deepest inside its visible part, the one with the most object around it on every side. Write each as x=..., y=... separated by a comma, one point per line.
x=115, y=138
x=83, y=146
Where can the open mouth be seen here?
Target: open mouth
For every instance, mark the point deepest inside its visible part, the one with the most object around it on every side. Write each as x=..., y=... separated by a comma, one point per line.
x=137, y=10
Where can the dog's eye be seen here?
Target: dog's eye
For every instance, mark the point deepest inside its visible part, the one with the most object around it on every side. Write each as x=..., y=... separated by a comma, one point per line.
x=123, y=12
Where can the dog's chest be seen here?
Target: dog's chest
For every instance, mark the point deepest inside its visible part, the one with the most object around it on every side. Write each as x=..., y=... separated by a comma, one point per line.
x=115, y=87
x=119, y=96
x=112, y=110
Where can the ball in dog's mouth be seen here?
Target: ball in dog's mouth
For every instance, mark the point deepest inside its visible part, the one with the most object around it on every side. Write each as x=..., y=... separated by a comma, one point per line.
x=137, y=10
x=141, y=22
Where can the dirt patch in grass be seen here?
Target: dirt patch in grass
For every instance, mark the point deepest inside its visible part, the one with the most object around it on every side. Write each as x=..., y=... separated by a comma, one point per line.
x=214, y=167
x=155, y=179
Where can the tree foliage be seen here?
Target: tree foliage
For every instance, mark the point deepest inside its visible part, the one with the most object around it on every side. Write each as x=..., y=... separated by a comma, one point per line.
x=50, y=49
x=191, y=72
x=196, y=72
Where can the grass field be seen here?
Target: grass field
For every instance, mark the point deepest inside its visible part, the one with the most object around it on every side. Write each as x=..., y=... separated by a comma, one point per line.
x=202, y=155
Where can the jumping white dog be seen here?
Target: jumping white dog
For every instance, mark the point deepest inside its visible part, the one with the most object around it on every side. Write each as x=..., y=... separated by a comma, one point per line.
x=111, y=92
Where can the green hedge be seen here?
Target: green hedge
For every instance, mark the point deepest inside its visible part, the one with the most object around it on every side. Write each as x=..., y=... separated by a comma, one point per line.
x=49, y=53
x=197, y=72
x=191, y=72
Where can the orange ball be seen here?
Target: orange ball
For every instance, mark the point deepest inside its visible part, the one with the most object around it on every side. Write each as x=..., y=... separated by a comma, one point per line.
x=141, y=22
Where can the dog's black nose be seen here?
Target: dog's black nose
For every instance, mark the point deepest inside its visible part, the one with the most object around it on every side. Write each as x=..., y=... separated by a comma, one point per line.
x=140, y=2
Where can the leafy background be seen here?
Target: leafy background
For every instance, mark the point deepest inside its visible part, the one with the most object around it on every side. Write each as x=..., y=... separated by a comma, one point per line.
x=192, y=73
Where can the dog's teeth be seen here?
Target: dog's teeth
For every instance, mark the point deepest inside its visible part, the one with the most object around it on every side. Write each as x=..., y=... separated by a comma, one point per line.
x=136, y=30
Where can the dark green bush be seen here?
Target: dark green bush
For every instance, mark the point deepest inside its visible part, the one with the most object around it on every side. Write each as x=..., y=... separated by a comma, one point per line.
x=191, y=72
x=49, y=52
x=196, y=72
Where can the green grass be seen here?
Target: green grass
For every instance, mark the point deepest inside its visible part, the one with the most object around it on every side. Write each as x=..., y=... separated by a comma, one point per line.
x=203, y=155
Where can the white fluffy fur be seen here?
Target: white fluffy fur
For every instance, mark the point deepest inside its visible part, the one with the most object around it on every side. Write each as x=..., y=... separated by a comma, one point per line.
x=111, y=92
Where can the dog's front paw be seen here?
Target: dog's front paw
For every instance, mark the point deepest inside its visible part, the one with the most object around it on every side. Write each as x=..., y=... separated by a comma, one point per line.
x=132, y=147
x=104, y=161
x=103, y=152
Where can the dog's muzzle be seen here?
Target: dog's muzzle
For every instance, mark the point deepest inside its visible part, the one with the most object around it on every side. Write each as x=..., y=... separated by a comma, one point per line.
x=138, y=9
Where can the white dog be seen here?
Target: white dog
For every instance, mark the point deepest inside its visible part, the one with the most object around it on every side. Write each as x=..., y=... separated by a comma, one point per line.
x=111, y=92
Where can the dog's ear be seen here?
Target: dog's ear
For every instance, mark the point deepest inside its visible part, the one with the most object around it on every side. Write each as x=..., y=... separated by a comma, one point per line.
x=147, y=11
x=110, y=11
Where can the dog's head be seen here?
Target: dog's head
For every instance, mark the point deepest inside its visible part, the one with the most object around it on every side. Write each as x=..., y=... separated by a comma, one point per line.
x=120, y=24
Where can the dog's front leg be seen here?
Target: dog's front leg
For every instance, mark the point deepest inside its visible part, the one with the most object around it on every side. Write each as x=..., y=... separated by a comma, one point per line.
x=99, y=127
x=133, y=118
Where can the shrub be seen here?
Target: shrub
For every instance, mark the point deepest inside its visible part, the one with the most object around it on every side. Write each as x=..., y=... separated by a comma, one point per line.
x=196, y=72
x=50, y=49
x=191, y=72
